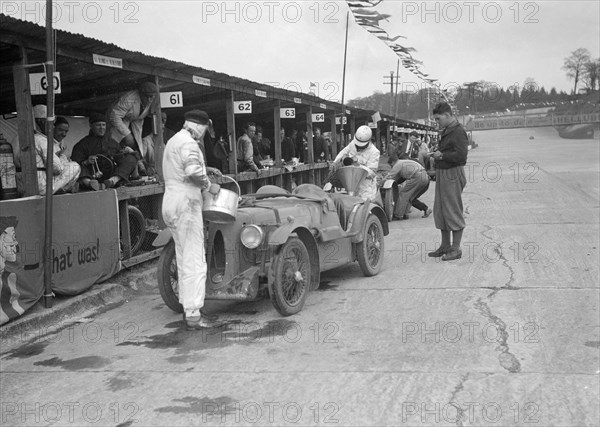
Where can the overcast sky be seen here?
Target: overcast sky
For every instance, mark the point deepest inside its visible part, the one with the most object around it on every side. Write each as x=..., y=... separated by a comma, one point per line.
x=294, y=43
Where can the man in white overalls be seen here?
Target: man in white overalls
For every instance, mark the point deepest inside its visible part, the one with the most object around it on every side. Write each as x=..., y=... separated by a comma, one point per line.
x=185, y=174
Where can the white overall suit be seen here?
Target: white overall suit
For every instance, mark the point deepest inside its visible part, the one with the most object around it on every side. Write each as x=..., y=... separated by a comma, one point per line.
x=185, y=177
x=367, y=159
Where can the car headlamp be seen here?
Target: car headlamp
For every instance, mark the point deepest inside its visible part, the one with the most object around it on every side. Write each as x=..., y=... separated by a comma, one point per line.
x=252, y=236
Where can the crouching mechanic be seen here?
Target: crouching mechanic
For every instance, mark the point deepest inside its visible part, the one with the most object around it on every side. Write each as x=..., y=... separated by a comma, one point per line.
x=414, y=183
x=365, y=155
x=185, y=174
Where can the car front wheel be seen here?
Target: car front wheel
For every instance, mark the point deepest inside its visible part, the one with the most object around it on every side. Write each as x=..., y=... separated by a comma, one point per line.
x=291, y=277
x=370, y=251
x=168, y=281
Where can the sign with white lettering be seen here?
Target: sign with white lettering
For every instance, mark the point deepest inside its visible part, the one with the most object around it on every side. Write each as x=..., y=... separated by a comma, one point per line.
x=242, y=107
x=260, y=93
x=38, y=82
x=171, y=99
x=323, y=106
x=297, y=101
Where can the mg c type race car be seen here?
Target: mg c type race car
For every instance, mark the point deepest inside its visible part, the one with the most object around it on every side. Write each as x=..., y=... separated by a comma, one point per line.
x=281, y=242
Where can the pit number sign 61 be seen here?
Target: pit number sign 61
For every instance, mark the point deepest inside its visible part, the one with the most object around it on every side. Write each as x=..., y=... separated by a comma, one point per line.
x=171, y=99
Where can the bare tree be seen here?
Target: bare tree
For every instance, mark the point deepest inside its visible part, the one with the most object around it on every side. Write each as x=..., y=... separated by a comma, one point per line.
x=574, y=65
x=592, y=73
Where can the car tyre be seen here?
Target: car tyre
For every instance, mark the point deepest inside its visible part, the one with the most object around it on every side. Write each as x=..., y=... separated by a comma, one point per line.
x=167, y=278
x=370, y=251
x=291, y=277
x=388, y=203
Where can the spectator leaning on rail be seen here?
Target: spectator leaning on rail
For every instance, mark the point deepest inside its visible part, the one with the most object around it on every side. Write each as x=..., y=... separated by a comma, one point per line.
x=245, y=152
x=126, y=120
x=366, y=155
x=450, y=159
x=185, y=175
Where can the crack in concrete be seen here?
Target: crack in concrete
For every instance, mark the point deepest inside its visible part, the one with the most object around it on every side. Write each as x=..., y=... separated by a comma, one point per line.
x=509, y=284
x=507, y=360
x=460, y=412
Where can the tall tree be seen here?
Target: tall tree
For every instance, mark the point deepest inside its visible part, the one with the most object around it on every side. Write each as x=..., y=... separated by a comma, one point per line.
x=574, y=65
x=592, y=73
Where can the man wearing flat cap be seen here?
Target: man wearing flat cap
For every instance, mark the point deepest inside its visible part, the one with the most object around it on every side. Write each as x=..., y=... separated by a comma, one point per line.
x=126, y=118
x=86, y=153
x=186, y=175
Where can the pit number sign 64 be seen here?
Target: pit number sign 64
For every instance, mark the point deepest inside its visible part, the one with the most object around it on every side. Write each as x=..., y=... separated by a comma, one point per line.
x=38, y=83
x=171, y=99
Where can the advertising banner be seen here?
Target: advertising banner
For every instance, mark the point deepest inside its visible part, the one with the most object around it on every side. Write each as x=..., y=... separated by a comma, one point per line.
x=85, y=248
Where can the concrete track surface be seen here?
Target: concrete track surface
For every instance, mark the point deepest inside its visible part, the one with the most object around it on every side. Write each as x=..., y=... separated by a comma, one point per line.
x=508, y=335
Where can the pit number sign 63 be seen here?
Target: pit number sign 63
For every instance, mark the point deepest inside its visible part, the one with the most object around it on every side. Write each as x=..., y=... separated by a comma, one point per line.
x=171, y=99
x=38, y=83
x=287, y=113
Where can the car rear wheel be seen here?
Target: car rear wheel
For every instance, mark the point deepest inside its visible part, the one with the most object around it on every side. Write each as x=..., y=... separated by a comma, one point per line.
x=291, y=277
x=370, y=251
x=168, y=281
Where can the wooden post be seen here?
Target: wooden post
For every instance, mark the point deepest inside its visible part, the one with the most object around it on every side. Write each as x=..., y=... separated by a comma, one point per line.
x=309, y=136
x=278, y=141
x=25, y=127
x=231, y=135
x=333, y=129
x=352, y=126
x=159, y=148
x=277, y=133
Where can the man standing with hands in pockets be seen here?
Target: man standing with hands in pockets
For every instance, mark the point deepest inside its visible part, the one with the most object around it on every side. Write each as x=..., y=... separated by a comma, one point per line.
x=185, y=174
x=450, y=180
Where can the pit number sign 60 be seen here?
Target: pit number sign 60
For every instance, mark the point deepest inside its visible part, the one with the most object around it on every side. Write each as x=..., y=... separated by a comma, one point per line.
x=38, y=83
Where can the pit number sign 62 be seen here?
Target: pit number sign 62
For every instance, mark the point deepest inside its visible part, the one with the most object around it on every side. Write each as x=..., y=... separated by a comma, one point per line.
x=242, y=107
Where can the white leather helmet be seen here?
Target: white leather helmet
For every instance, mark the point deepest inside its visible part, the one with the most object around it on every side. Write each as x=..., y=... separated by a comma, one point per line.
x=362, y=137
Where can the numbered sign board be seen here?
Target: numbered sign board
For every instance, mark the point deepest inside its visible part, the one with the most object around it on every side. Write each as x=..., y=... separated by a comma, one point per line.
x=242, y=107
x=339, y=119
x=318, y=118
x=287, y=113
x=171, y=99
x=38, y=83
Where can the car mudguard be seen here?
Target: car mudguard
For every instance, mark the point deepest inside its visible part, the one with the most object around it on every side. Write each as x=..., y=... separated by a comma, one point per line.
x=358, y=222
x=163, y=238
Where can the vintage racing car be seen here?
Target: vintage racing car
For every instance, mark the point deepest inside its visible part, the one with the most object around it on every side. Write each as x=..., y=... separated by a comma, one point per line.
x=281, y=242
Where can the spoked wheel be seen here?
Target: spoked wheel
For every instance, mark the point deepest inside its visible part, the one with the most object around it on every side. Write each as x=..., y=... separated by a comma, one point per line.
x=168, y=280
x=370, y=251
x=292, y=280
